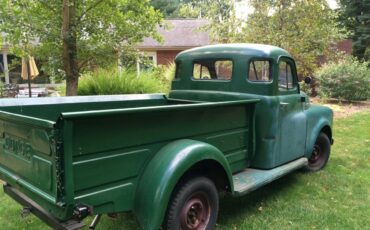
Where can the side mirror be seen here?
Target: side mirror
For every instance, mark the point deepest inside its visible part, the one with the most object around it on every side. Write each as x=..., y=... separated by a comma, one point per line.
x=307, y=80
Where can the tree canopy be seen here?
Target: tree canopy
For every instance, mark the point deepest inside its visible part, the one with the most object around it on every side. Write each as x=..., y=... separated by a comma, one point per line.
x=222, y=21
x=179, y=8
x=305, y=28
x=169, y=8
x=355, y=16
x=75, y=34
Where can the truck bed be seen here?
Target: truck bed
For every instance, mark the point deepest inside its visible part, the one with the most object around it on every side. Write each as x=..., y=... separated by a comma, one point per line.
x=31, y=145
x=92, y=150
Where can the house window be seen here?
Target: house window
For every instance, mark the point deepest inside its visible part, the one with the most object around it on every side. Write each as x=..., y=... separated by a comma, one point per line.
x=152, y=57
x=146, y=61
x=212, y=69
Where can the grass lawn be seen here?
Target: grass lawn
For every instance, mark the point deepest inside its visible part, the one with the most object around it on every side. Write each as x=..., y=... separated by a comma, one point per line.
x=337, y=197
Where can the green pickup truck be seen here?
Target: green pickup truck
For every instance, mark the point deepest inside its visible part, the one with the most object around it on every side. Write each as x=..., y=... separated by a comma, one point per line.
x=234, y=121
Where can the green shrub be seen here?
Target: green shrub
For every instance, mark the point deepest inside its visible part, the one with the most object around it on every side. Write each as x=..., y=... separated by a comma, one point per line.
x=165, y=73
x=108, y=82
x=348, y=79
x=306, y=88
x=58, y=91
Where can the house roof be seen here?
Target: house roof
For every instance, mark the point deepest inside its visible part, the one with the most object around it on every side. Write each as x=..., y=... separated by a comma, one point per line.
x=180, y=33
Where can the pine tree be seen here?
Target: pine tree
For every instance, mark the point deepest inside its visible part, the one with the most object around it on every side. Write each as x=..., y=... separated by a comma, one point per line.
x=355, y=16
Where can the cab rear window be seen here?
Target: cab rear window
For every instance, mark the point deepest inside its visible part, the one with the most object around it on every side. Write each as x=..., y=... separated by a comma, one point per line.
x=212, y=70
x=259, y=71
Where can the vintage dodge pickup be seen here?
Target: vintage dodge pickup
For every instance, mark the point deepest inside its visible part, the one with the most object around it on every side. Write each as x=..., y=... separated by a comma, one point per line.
x=234, y=121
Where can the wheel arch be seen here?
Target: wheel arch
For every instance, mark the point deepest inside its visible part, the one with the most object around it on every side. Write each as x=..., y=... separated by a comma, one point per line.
x=327, y=130
x=211, y=169
x=173, y=163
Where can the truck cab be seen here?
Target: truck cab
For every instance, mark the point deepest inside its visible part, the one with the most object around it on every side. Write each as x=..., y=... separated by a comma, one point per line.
x=286, y=124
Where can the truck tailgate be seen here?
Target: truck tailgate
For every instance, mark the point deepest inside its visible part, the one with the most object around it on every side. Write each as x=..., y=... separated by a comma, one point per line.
x=28, y=159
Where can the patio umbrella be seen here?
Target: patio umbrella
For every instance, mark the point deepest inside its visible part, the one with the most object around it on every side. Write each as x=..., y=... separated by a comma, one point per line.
x=32, y=68
x=29, y=71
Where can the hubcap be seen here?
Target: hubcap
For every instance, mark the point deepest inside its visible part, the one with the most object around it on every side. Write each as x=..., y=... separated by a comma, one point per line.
x=316, y=154
x=196, y=213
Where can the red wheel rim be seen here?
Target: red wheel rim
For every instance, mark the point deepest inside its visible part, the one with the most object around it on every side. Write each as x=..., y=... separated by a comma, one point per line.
x=195, y=213
x=316, y=157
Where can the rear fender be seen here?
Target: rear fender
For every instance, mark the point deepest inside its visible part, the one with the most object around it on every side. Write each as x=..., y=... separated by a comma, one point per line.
x=163, y=173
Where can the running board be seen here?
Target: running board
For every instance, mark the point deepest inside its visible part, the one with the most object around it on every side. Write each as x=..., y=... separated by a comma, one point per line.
x=251, y=179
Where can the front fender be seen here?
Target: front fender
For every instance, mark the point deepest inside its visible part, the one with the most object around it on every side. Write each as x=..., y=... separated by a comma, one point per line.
x=318, y=118
x=162, y=174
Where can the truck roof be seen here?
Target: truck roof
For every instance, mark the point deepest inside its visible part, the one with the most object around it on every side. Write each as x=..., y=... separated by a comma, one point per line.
x=239, y=49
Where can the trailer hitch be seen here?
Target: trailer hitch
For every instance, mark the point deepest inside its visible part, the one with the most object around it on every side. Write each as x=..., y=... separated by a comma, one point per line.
x=81, y=211
x=31, y=207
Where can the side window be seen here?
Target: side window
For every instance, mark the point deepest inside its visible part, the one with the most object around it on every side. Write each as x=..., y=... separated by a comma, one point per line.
x=285, y=75
x=224, y=69
x=212, y=69
x=177, y=70
x=259, y=71
x=201, y=72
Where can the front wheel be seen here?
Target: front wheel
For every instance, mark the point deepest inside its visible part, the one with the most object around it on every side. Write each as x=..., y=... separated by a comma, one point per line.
x=320, y=154
x=194, y=206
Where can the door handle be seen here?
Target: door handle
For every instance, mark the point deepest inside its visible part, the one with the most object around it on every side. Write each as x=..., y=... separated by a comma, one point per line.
x=283, y=105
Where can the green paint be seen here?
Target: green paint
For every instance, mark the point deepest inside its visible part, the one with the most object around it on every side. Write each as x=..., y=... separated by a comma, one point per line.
x=164, y=171
x=128, y=152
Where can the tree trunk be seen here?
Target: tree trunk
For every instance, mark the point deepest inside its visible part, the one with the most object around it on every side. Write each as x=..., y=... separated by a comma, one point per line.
x=70, y=46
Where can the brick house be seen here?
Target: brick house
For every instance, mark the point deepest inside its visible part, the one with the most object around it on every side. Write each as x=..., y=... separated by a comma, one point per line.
x=344, y=46
x=178, y=35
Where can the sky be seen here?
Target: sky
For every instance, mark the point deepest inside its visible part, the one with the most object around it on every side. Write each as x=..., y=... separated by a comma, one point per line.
x=332, y=4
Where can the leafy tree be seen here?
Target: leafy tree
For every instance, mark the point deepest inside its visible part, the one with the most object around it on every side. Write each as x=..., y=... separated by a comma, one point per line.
x=223, y=24
x=73, y=35
x=355, y=15
x=304, y=28
x=176, y=8
x=169, y=8
x=190, y=10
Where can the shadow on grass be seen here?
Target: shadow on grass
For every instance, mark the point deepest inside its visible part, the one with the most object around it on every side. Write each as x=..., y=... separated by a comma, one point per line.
x=123, y=221
x=232, y=208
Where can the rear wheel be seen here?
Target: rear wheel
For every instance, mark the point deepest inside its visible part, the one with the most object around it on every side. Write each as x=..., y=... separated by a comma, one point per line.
x=194, y=206
x=320, y=154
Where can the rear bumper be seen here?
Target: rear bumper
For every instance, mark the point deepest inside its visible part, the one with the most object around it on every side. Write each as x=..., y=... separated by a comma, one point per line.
x=41, y=213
